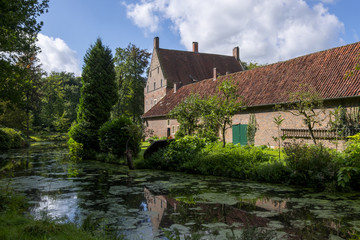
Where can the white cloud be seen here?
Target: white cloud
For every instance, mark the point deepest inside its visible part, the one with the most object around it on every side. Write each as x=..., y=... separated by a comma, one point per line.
x=266, y=30
x=57, y=56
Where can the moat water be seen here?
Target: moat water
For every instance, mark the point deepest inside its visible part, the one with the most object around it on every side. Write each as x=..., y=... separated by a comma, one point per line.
x=147, y=204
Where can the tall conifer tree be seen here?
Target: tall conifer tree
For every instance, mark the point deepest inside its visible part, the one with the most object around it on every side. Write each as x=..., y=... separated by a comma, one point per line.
x=98, y=95
x=98, y=92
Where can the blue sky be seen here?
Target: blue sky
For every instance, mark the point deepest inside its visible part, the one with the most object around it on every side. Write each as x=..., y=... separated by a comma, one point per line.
x=265, y=30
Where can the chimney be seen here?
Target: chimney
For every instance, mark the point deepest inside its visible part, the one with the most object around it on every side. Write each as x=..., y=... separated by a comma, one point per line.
x=174, y=87
x=236, y=53
x=156, y=42
x=195, y=47
x=214, y=74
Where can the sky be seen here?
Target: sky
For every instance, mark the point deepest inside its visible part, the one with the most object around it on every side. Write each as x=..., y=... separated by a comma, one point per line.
x=266, y=31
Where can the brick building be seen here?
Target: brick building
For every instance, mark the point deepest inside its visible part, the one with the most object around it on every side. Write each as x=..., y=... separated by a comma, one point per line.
x=263, y=88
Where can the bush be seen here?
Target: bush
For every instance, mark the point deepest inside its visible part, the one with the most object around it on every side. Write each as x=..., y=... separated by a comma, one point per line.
x=10, y=138
x=349, y=172
x=273, y=172
x=116, y=134
x=84, y=134
x=231, y=161
x=311, y=165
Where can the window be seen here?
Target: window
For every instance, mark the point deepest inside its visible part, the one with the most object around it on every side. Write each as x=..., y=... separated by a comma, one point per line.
x=147, y=88
x=155, y=101
x=150, y=73
x=158, y=70
x=161, y=83
x=177, y=128
x=173, y=129
x=154, y=85
x=168, y=122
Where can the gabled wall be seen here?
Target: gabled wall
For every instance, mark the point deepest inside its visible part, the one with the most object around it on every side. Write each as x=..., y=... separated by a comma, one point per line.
x=156, y=85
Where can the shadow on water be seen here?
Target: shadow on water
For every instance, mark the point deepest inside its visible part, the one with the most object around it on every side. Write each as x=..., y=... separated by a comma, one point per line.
x=145, y=204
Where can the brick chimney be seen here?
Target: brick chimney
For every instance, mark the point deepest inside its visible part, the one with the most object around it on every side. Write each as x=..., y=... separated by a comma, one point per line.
x=156, y=42
x=214, y=74
x=236, y=53
x=195, y=47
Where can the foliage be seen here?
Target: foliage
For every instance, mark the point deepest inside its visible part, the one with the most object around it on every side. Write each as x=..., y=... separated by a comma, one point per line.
x=251, y=129
x=59, y=101
x=309, y=105
x=188, y=114
x=273, y=172
x=344, y=120
x=98, y=91
x=349, y=172
x=278, y=121
x=19, y=29
x=119, y=134
x=251, y=65
x=311, y=165
x=10, y=138
x=83, y=135
x=130, y=65
x=98, y=95
x=228, y=103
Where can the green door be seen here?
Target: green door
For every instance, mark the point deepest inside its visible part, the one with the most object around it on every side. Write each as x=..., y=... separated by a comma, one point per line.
x=239, y=134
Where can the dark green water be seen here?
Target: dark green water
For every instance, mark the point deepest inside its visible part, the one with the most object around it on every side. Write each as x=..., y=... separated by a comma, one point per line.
x=143, y=204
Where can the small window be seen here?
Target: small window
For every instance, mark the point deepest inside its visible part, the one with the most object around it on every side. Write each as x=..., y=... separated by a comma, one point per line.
x=168, y=122
x=147, y=88
x=158, y=70
x=177, y=128
x=155, y=101
x=161, y=83
x=150, y=73
x=154, y=85
x=173, y=129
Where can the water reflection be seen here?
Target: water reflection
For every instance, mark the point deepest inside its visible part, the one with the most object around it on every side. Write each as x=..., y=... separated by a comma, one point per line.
x=140, y=204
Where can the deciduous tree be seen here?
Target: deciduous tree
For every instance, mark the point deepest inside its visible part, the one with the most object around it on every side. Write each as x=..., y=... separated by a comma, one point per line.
x=130, y=65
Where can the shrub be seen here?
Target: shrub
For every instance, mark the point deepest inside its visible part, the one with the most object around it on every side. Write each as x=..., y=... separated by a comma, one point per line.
x=349, y=172
x=311, y=165
x=231, y=161
x=10, y=138
x=116, y=134
x=273, y=172
x=84, y=134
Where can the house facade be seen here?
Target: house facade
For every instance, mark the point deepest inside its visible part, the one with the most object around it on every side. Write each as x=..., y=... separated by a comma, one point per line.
x=265, y=87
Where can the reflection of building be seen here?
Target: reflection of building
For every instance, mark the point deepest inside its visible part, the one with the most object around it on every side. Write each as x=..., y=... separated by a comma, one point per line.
x=156, y=205
x=271, y=205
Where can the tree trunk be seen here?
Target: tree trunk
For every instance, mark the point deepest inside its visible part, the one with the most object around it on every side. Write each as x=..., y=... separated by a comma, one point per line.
x=223, y=136
x=129, y=159
x=311, y=134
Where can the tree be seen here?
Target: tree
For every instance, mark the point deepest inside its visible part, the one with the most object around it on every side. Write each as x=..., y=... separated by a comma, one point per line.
x=251, y=65
x=130, y=65
x=18, y=34
x=278, y=121
x=98, y=95
x=309, y=105
x=251, y=129
x=188, y=113
x=59, y=102
x=228, y=103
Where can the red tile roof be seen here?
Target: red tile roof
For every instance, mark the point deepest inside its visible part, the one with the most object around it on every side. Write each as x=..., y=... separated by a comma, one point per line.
x=323, y=71
x=183, y=66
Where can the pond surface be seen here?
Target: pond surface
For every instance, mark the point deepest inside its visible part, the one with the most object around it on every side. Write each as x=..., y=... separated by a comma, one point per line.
x=144, y=204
